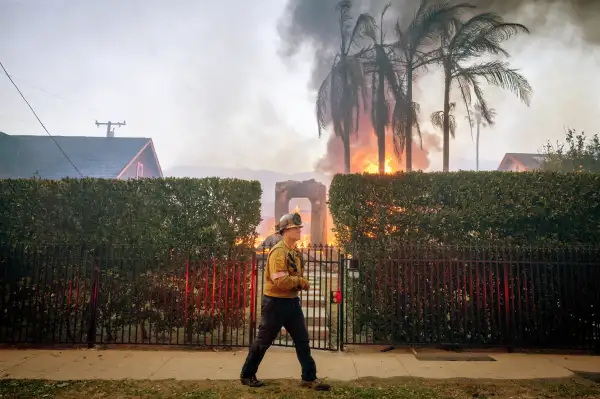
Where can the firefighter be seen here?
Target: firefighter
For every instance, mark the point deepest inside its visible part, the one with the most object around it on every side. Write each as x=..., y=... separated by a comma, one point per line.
x=281, y=306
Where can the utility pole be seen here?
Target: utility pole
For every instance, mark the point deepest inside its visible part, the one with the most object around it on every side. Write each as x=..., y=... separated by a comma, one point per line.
x=110, y=132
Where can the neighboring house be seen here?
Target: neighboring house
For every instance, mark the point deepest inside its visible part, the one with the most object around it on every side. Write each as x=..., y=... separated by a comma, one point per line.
x=517, y=162
x=99, y=157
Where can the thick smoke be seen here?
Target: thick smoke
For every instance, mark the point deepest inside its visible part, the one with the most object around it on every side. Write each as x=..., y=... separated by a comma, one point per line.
x=315, y=21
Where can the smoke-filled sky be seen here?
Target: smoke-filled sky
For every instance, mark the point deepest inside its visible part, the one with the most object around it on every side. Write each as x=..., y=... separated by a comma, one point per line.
x=231, y=84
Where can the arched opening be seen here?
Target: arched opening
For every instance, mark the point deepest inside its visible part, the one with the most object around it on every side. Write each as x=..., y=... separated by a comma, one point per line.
x=304, y=207
x=313, y=192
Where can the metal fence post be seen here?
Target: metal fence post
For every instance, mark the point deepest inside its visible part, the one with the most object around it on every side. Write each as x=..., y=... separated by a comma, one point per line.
x=253, y=298
x=342, y=272
x=91, y=335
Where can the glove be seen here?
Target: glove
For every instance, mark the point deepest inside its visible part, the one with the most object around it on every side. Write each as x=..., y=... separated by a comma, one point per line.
x=304, y=284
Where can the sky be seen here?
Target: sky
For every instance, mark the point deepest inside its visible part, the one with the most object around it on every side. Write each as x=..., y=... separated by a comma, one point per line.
x=211, y=84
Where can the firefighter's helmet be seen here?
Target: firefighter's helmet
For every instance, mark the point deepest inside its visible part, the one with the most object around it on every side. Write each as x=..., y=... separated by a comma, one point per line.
x=289, y=221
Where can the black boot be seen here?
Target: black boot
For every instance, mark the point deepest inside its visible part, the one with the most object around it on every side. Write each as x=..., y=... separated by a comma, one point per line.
x=317, y=385
x=252, y=382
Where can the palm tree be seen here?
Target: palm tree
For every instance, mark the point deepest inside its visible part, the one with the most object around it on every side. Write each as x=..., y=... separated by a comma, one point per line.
x=381, y=66
x=437, y=119
x=480, y=35
x=344, y=87
x=413, y=46
x=481, y=122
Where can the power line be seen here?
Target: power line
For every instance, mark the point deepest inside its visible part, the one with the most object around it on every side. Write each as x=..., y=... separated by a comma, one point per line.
x=59, y=97
x=39, y=120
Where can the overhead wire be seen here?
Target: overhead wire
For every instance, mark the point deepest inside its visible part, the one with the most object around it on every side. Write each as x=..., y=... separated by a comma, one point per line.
x=39, y=120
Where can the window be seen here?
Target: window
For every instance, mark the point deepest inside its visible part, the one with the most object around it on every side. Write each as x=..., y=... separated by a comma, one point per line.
x=140, y=170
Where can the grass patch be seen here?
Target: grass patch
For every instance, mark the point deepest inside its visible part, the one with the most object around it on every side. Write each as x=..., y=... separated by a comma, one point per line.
x=576, y=387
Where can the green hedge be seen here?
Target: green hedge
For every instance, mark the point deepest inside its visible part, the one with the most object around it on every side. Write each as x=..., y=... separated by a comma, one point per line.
x=466, y=207
x=420, y=239
x=141, y=235
x=145, y=212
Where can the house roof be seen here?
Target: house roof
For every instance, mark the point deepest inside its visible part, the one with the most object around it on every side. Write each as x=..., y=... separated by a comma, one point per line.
x=528, y=161
x=101, y=157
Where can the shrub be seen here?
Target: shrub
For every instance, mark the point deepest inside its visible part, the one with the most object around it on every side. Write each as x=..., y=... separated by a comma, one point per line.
x=466, y=208
x=471, y=257
x=138, y=236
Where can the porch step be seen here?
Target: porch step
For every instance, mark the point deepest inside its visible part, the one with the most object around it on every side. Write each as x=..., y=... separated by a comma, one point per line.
x=315, y=316
x=314, y=301
x=312, y=292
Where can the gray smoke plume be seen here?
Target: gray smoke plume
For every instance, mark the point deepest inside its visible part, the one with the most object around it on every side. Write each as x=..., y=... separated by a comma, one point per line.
x=314, y=22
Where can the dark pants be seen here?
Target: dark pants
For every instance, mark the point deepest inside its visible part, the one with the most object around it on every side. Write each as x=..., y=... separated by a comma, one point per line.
x=277, y=313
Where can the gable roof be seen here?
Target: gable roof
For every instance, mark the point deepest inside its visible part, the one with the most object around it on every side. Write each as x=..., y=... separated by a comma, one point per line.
x=528, y=161
x=100, y=157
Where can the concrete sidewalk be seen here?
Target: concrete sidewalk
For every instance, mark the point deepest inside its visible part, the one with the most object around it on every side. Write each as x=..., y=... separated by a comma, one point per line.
x=279, y=363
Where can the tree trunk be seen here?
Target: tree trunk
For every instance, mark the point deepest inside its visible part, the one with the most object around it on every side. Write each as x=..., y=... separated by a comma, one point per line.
x=409, y=119
x=347, y=121
x=381, y=148
x=448, y=79
x=477, y=147
x=346, y=142
x=381, y=123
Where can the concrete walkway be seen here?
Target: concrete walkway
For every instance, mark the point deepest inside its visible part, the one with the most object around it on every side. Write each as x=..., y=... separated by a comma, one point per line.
x=278, y=363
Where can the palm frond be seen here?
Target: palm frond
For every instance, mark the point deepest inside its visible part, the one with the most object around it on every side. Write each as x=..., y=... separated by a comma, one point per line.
x=479, y=113
x=499, y=74
x=365, y=26
x=465, y=92
x=434, y=20
x=483, y=34
x=437, y=119
x=398, y=122
x=335, y=103
x=472, y=28
x=345, y=23
x=452, y=120
x=416, y=112
x=321, y=103
x=381, y=30
x=401, y=44
x=351, y=33
x=357, y=80
x=475, y=85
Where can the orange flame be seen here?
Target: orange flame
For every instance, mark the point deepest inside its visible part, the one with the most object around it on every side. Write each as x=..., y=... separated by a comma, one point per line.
x=259, y=240
x=373, y=167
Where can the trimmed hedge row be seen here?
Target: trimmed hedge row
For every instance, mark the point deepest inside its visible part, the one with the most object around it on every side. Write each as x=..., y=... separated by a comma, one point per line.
x=145, y=212
x=531, y=208
x=452, y=258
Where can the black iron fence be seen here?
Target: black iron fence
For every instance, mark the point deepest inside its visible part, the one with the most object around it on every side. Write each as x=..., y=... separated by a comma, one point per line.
x=60, y=294
x=123, y=295
x=472, y=296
